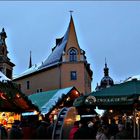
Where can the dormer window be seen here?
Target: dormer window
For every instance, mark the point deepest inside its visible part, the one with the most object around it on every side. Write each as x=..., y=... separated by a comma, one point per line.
x=73, y=55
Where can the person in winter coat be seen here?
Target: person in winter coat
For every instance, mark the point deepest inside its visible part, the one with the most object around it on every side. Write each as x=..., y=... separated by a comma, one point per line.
x=124, y=133
x=3, y=132
x=41, y=132
x=84, y=132
x=15, y=132
x=74, y=129
x=100, y=134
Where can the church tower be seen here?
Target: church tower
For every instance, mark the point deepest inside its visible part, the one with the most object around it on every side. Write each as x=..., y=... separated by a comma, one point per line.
x=106, y=81
x=6, y=67
x=66, y=66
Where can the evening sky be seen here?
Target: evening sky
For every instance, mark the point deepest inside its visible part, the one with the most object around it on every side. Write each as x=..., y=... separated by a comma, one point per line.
x=105, y=29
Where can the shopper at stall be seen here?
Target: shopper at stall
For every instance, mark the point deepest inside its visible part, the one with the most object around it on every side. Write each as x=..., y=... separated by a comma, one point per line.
x=16, y=131
x=124, y=133
x=84, y=132
x=41, y=132
x=3, y=132
x=74, y=129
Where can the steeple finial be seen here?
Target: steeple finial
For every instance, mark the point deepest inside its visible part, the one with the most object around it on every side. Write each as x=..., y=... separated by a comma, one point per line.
x=3, y=30
x=105, y=63
x=106, y=68
x=71, y=12
x=3, y=34
x=30, y=61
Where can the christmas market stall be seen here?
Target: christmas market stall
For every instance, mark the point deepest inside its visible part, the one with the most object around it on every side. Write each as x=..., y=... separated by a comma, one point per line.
x=121, y=102
x=51, y=102
x=57, y=106
x=12, y=102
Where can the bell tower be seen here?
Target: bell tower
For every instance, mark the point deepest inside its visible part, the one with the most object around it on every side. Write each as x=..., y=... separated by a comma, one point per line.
x=6, y=67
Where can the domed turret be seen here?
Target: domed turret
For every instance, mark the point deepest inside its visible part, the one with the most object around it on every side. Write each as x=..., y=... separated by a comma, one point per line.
x=106, y=81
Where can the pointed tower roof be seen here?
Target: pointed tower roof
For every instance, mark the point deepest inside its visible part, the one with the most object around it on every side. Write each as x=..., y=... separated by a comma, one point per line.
x=106, y=80
x=55, y=57
x=106, y=69
x=30, y=61
x=3, y=33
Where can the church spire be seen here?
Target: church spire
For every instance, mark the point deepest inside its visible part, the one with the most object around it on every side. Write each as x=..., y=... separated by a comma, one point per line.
x=30, y=61
x=106, y=69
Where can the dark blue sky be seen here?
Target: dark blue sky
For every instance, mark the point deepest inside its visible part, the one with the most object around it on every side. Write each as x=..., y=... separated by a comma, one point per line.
x=108, y=29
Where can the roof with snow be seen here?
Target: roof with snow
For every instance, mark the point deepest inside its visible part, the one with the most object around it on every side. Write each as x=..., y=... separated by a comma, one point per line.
x=34, y=68
x=132, y=78
x=46, y=101
x=56, y=55
x=53, y=59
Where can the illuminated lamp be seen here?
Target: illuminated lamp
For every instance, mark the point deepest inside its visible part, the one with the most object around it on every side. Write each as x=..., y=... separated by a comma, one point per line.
x=76, y=92
x=40, y=118
x=53, y=112
x=2, y=96
x=68, y=99
x=137, y=120
x=55, y=117
x=111, y=111
x=78, y=118
x=17, y=95
x=35, y=112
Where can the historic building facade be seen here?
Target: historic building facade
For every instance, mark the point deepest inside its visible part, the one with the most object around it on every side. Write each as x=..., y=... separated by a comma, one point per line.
x=66, y=66
x=6, y=66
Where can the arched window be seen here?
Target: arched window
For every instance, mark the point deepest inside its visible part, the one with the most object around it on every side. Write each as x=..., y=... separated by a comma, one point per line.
x=73, y=55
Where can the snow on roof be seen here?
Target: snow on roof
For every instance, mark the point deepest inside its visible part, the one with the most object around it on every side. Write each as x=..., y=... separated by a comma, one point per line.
x=28, y=71
x=52, y=102
x=45, y=101
x=3, y=77
x=132, y=78
x=55, y=56
x=52, y=60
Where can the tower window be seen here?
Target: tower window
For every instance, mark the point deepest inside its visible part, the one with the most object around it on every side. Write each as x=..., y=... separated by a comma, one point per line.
x=28, y=84
x=73, y=75
x=73, y=55
x=9, y=73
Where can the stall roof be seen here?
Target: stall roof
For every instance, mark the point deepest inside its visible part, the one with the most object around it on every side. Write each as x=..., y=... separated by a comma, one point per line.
x=48, y=99
x=119, y=95
x=13, y=100
x=124, y=89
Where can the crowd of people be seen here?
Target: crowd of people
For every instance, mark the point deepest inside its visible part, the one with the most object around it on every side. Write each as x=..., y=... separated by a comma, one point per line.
x=27, y=130
x=86, y=128
x=101, y=130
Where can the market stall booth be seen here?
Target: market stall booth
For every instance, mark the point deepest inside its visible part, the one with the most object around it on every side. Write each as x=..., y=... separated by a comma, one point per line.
x=51, y=102
x=56, y=105
x=12, y=102
x=121, y=101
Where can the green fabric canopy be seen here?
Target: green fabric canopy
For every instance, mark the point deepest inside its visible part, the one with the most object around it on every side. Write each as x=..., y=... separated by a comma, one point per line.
x=47, y=100
x=122, y=95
